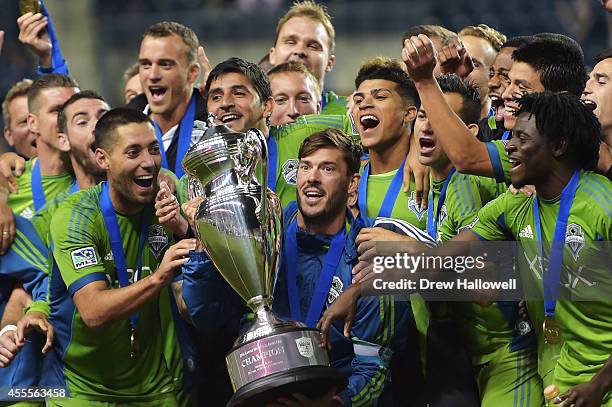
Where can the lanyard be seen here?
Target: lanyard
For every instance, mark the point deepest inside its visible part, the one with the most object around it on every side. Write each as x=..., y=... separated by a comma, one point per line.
x=390, y=197
x=506, y=135
x=74, y=187
x=432, y=224
x=184, y=139
x=57, y=60
x=272, y=162
x=323, y=101
x=114, y=233
x=38, y=194
x=330, y=265
x=555, y=258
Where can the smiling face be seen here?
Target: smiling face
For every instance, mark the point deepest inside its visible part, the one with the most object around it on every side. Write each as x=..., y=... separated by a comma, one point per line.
x=17, y=132
x=235, y=103
x=42, y=120
x=132, y=165
x=166, y=75
x=82, y=117
x=294, y=95
x=499, y=80
x=523, y=80
x=598, y=95
x=304, y=40
x=381, y=115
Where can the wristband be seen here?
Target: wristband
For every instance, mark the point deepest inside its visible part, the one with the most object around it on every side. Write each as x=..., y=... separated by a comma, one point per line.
x=8, y=328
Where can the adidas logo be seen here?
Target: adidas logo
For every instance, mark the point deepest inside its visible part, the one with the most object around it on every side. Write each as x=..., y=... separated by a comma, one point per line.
x=527, y=233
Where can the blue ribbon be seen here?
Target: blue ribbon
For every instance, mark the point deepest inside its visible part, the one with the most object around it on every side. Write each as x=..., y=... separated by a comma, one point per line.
x=116, y=242
x=323, y=101
x=390, y=197
x=330, y=265
x=506, y=135
x=74, y=187
x=272, y=162
x=58, y=63
x=432, y=223
x=38, y=193
x=184, y=139
x=555, y=258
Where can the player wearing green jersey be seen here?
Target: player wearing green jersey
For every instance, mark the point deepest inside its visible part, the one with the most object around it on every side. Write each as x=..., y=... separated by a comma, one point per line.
x=295, y=92
x=113, y=260
x=549, y=62
x=503, y=357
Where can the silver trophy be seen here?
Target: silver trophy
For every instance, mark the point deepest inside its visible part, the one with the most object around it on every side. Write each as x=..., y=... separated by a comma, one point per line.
x=240, y=225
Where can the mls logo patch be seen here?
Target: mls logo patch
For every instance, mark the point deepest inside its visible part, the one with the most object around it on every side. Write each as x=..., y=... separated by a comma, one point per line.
x=304, y=346
x=83, y=257
x=158, y=240
x=335, y=290
x=290, y=171
x=416, y=209
x=574, y=239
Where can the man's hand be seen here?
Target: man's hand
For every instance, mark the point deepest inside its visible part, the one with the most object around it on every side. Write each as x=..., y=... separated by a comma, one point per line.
x=1, y=40
x=33, y=33
x=527, y=190
x=454, y=58
x=206, y=68
x=589, y=394
x=10, y=165
x=168, y=212
x=35, y=320
x=173, y=260
x=345, y=308
x=168, y=179
x=8, y=348
x=421, y=175
x=7, y=227
x=419, y=55
x=300, y=400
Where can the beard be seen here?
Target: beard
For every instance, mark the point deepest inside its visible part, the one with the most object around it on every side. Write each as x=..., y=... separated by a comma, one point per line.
x=88, y=165
x=334, y=207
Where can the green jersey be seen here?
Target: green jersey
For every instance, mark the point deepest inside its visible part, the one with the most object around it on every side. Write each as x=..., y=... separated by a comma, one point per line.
x=586, y=327
x=22, y=202
x=289, y=139
x=333, y=104
x=96, y=362
x=499, y=160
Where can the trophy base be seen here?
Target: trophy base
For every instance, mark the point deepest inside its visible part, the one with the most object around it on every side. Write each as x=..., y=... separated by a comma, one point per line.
x=312, y=381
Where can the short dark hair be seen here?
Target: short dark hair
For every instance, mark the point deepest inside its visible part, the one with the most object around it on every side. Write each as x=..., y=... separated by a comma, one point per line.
x=168, y=28
x=558, y=59
x=390, y=70
x=107, y=125
x=517, y=42
x=605, y=54
x=62, y=120
x=430, y=30
x=563, y=115
x=334, y=138
x=48, y=81
x=470, y=108
x=253, y=73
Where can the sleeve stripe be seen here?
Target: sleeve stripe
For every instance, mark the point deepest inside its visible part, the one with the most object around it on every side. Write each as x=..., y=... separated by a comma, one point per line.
x=408, y=229
x=590, y=189
x=85, y=280
x=498, y=170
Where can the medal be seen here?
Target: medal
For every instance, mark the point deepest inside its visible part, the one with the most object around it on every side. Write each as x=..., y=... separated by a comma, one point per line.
x=552, y=331
x=133, y=344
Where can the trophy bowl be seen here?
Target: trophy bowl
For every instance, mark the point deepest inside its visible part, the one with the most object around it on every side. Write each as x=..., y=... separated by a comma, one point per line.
x=239, y=222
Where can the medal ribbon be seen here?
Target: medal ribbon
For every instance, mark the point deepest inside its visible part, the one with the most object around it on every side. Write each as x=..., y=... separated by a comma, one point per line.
x=555, y=258
x=114, y=233
x=330, y=265
x=432, y=223
x=390, y=197
x=57, y=60
x=38, y=193
x=184, y=139
x=272, y=162
x=506, y=135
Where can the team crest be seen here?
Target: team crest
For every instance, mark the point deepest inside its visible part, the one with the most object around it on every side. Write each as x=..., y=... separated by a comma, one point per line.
x=290, y=171
x=443, y=214
x=416, y=209
x=335, y=290
x=304, y=346
x=158, y=240
x=574, y=239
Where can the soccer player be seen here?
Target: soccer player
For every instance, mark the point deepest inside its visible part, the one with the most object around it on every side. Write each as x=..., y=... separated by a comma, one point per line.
x=495, y=345
x=113, y=260
x=598, y=93
x=547, y=63
x=439, y=35
x=295, y=92
x=305, y=34
x=169, y=67
x=15, y=115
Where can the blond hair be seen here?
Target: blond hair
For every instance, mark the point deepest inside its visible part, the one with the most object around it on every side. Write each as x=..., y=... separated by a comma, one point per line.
x=314, y=11
x=297, y=67
x=18, y=89
x=491, y=35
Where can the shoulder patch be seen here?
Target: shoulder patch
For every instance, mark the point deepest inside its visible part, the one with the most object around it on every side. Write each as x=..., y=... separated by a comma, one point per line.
x=83, y=257
x=289, y=170
x=158, y=239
